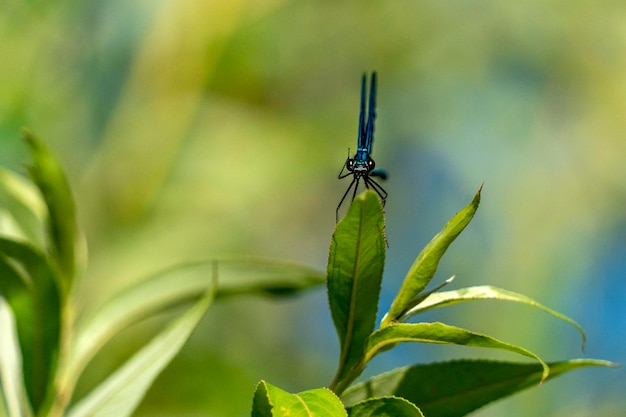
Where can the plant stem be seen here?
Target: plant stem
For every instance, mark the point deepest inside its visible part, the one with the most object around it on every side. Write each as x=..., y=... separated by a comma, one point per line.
x=339, y=385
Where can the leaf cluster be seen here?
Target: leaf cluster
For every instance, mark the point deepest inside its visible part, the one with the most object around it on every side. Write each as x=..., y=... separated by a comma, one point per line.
x=45, y=346
x=455, y=388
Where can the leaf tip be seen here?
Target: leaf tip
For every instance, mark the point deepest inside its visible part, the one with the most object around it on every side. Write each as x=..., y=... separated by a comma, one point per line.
x=545, y=374
x=479, y=192
x=29, y=137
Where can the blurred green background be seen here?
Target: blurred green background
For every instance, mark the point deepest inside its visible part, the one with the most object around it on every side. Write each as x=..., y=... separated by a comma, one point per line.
x=197, y=129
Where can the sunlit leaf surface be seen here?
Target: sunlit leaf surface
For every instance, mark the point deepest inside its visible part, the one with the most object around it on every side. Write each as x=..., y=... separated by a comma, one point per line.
x=271, y=401
x=13, y=392
x=21, y=202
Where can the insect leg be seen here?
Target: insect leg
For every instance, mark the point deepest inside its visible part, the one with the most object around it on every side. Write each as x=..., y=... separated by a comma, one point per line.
x=376, y=187
x=343, y=198
x=356, y=187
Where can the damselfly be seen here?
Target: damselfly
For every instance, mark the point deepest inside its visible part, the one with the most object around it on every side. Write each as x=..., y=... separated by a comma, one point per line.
x=361, y=165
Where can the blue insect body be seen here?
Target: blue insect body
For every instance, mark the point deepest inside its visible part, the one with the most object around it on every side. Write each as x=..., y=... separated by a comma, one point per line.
x=361, y=166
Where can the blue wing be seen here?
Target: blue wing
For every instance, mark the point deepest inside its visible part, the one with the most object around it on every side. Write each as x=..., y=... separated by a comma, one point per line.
x=361, y=139
x=371, y=115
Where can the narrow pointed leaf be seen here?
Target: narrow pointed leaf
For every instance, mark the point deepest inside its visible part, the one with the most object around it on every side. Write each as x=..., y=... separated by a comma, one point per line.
x=424, y=295
x=388, y=337
x=152, y=296
x=458, y=387
x=425, y=266
x=178, y=285
x=485, y=292
x=13, y=289
x=30, y=288
x=23, y=205
x=49, y=177
x=120, y=394
x=355, y=269
x=385, y=407
x=271, y=401
x=13, y=392
x=265, y=277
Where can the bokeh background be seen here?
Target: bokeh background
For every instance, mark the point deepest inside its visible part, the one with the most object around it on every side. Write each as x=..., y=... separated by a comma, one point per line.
x=197, y=129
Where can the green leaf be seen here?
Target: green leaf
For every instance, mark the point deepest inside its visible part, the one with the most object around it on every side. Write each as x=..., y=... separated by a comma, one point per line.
x=177, y=285
x=355, y=269
x=16, y=294
x=485, y=292
x=49, y=177
x=385, y=407
x=121, y=392
x=265, y=277
x=271, y=401
x=388, y=337
x=425, y=266
x=458, y=387
x=24, y=212
x=13, y=392
x=152, y=296
x=29, y=286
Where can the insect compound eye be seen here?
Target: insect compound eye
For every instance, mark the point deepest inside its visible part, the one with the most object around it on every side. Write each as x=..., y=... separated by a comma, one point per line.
x=350, y=164
x=371, y=164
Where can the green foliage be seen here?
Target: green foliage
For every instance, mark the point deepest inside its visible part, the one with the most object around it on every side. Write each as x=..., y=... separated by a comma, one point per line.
x=441, y=389
x=355, y=271
x=62, y=230
x=120, y=393
x=28, y=284
x=390, y=336
x=44, y=349
x=270, y=401
x=458, y=387
x=425, y=265
x=22, y=209
x=385, y=407
x=485, y=292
